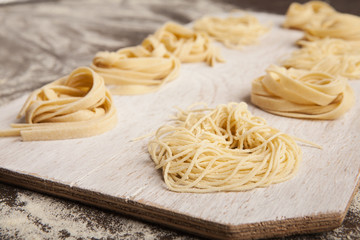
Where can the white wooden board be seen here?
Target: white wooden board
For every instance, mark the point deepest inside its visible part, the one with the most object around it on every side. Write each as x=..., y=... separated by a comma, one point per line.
x=114, y=172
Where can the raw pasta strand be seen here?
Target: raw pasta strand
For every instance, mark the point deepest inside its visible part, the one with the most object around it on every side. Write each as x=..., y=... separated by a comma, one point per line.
x=222, y=149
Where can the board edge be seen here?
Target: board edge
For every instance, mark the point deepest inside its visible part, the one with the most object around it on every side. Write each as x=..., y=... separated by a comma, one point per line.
x=279, y=228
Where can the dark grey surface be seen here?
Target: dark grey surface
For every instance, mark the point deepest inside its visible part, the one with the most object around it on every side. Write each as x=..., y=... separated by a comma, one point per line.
x=44, y=40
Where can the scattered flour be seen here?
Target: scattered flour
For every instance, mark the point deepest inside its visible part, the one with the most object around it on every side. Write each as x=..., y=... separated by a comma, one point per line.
x=35, y=216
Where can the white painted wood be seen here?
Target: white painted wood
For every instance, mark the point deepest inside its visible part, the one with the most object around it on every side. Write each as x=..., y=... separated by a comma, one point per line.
x=114, y=165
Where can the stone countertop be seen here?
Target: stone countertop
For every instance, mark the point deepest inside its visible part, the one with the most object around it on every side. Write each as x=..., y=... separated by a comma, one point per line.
x=41, y=41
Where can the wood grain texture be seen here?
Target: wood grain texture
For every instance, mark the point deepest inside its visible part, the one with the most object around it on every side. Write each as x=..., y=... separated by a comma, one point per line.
x=114, y=172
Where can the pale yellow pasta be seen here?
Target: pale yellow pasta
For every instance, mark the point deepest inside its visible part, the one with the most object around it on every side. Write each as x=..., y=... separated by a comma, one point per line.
x=75, y=106
x=187, y=45
x=320, y=20
x=299, y=16
x=302, y=94
x=222, y=149
x=233, y=32
x=339, y=25
x=137, y=70
x=340, y=57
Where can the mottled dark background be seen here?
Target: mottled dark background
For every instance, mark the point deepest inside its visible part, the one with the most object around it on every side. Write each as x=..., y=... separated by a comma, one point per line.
x=43, y=40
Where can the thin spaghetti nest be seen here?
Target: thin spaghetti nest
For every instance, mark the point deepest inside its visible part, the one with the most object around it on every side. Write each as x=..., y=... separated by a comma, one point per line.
x=222, y=149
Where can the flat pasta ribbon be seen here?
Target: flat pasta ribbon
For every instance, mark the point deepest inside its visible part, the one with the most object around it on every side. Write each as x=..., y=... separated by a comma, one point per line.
x=302, y=94
x=75, y=106
x=187, y=45
x=340, y=57
x=233, y=32
x=137, y=70
x=222, y=149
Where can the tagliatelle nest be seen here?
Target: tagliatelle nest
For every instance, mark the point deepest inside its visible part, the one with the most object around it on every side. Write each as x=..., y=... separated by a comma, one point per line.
x=319, y=20
x=185, y=44
x=75, y=106
x=137, y=70
x=299, y=93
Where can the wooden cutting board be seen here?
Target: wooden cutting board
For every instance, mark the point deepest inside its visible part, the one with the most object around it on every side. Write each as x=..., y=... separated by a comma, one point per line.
x=114, y=172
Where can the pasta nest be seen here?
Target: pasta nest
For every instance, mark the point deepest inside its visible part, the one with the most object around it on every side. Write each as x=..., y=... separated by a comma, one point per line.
x=337, y=56
x=338, y=25
x=75, y=106
x=137, y=70
x=302, y=94
x=233, y=32
x=319, y=20
x=185, y=44
x=222, y=149
x=300, y=15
